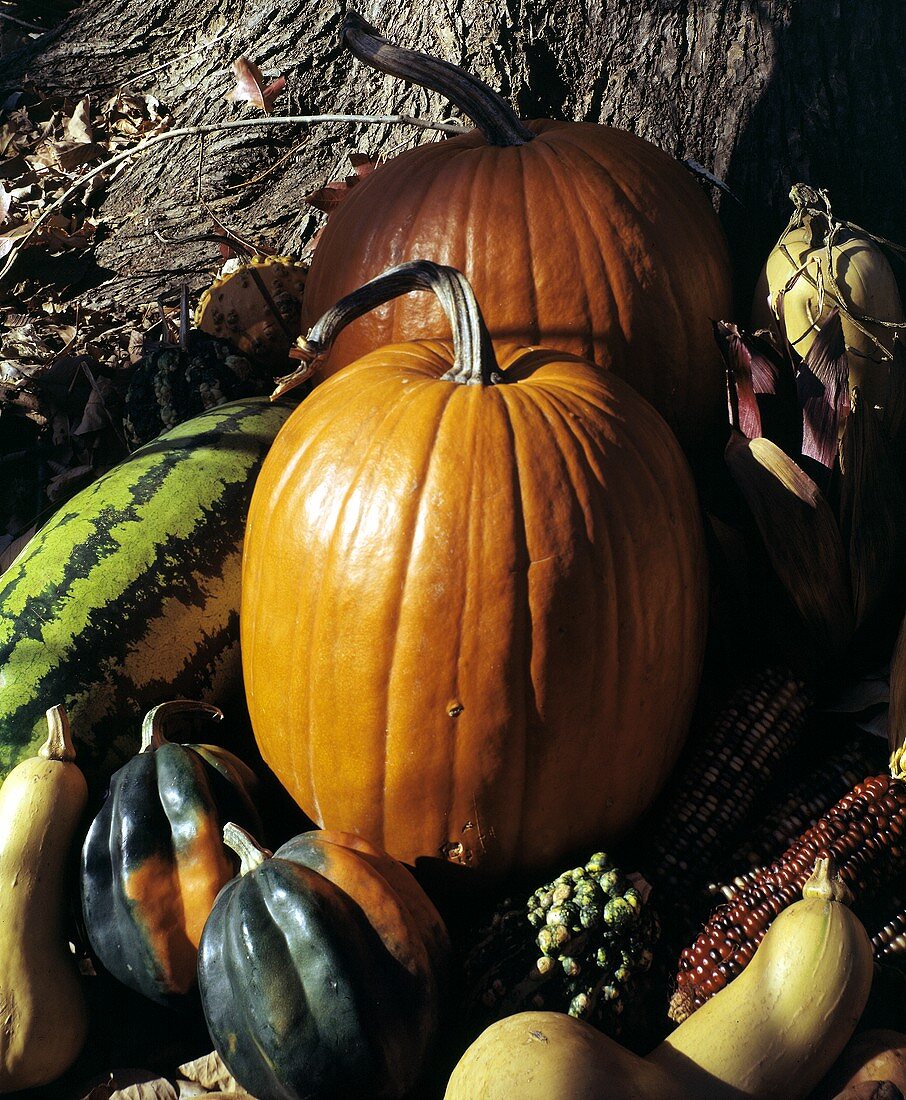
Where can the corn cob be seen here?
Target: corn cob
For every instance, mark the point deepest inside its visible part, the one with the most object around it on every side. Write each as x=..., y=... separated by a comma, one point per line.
x=745, y=750
x=864, y=832
x=889, y=940
x=803, y=804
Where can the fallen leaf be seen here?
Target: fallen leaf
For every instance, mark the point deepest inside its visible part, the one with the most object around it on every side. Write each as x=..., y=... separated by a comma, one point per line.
x=328, y=198
x=160, y=1089
x=78, y=126
x=250, y=85
x=132, y=1084
x=211, y=1072
x=6, y=200
x=66, y=482
x=13, y=547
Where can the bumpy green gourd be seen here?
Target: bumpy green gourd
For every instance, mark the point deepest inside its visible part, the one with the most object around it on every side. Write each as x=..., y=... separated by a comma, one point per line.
x=171, y=384
x=577, y=945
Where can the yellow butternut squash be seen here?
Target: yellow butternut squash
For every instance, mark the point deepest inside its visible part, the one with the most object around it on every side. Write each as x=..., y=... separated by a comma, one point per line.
x=43, y=1017
x=772, y=1032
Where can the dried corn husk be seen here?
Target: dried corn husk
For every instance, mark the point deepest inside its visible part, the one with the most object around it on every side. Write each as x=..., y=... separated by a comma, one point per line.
x=801, y=537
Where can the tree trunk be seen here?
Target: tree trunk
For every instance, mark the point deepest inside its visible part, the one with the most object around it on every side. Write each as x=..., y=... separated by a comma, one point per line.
x=761, y=92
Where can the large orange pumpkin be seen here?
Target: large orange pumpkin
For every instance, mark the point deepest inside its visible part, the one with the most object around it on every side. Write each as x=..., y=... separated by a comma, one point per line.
x=473, y=595
x=575, y=236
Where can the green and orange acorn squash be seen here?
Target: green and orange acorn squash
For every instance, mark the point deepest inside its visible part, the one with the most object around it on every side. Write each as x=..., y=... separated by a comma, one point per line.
x=154, y=859
x=322, y=970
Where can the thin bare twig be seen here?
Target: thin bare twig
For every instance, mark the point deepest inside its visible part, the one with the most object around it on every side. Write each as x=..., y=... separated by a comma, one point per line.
x=21, y=22
x=212, y=128
x=169, y=64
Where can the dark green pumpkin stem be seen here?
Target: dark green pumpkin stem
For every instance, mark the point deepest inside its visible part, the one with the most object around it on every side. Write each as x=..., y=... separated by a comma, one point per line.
x=152, y=726
x=474, y=361
x=59, y=744
x=480, y=103
x=251, y=853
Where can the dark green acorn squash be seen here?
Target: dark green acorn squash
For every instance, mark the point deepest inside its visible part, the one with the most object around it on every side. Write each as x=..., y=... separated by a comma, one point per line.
x=321, y=970
x=154, y=859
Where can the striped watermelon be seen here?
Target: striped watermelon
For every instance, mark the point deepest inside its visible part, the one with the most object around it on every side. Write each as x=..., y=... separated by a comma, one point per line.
x=129, y=595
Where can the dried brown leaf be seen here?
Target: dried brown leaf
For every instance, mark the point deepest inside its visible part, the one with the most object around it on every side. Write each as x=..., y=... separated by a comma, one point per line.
x=250, y=87
x=210, y=1071
x=132, y=1084
x=78, y=126
x=66, y=482
x=160, y=1089
x=328, y=198
x=800, y=536
x=14, y=548
x=77, y=155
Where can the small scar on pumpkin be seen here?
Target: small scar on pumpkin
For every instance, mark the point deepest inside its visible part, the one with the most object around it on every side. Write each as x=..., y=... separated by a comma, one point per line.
x=538, y=1036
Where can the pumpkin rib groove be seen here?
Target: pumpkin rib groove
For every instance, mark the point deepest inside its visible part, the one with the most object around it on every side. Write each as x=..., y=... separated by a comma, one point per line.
x=377, y=443
x=403, y=409
x=570, y=439
x=536, y=427
x=399, y=319
x=654, y=489
x=416, y=507
x=685, y=577
x=516, y=771
x=629, y=263
x=298, y=449
x=528, y=411
x=560, y=180
x=530, y=250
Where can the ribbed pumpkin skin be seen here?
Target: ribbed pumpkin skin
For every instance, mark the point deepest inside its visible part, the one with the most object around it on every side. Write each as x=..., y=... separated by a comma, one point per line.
x=473, y=617
x=587, y=239
x=321, y=973
x=153, y=862
x=130, y=593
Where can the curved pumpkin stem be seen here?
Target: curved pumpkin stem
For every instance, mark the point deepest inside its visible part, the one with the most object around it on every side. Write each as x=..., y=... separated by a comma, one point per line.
x=152, y=725
x=480, y=103
x=474, y=361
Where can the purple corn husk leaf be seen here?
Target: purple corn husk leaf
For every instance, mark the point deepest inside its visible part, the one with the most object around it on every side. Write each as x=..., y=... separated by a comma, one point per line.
x=761, y=387
x=822, y=382
x=741, y=401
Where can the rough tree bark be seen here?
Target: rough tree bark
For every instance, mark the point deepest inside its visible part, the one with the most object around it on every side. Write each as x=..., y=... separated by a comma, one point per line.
x=762, y=92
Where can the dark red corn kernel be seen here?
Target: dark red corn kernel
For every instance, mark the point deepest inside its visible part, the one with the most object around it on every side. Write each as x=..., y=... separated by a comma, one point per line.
x=865, y=854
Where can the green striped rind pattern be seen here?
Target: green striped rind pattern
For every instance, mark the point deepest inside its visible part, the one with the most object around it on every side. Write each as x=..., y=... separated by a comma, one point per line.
x=129, y=595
